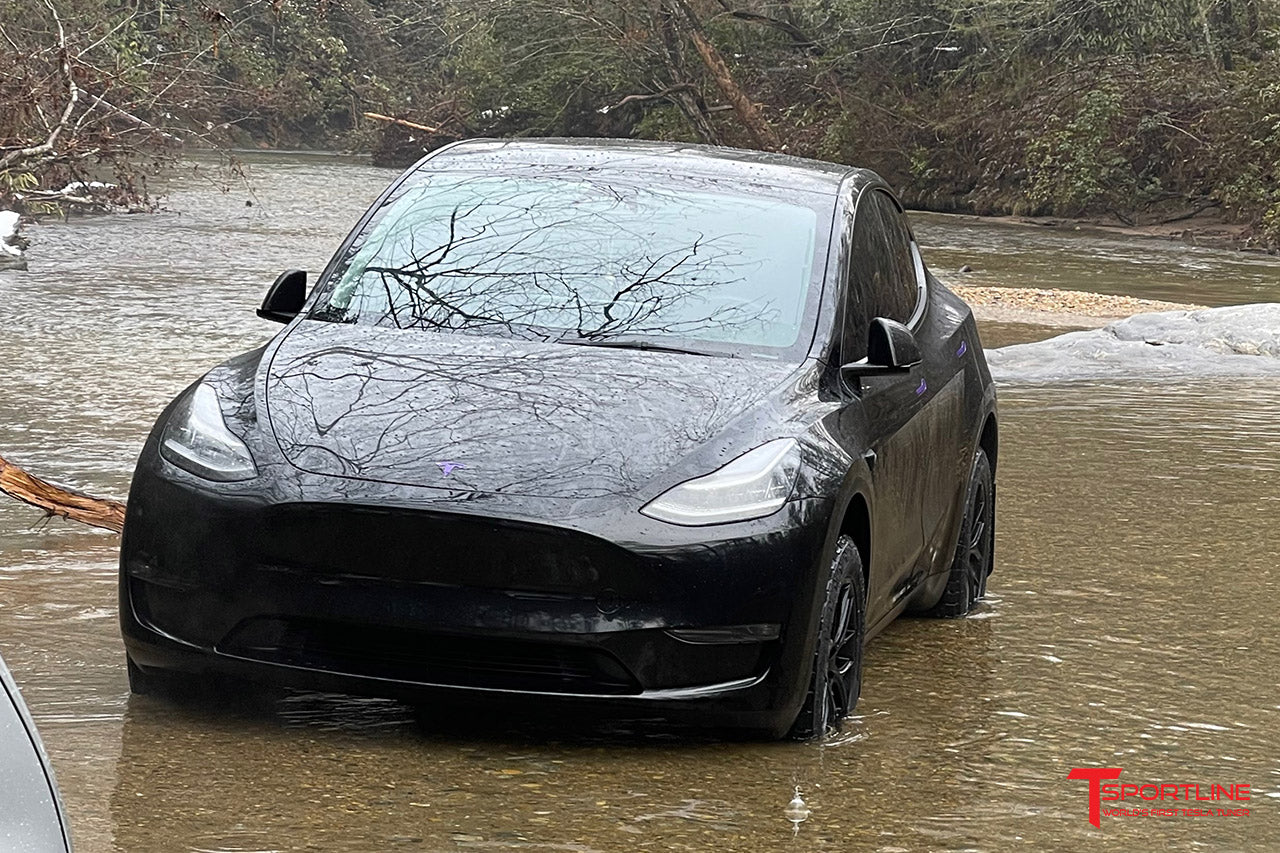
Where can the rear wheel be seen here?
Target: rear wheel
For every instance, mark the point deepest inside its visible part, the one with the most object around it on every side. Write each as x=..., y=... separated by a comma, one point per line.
x=973, y=560
x=837, y=659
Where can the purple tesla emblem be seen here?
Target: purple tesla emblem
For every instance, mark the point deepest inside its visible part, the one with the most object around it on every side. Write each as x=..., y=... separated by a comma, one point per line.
x=448, y=468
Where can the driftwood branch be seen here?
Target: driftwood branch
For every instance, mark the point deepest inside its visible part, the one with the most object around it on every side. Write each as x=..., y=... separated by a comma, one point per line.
x=56, y=500
x=425, y=128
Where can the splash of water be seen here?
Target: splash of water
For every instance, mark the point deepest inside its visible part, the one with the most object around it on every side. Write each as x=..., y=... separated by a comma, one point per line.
x=797, y=811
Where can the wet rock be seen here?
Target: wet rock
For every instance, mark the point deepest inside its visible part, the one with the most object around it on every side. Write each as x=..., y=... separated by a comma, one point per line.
x=12, y=244
x=1242, y=340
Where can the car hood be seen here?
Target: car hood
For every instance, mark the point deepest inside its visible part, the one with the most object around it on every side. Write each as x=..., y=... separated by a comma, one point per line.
x=495, y=415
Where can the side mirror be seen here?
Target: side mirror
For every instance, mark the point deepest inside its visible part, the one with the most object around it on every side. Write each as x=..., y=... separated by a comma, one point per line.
x=286, y=297
x=891, y=348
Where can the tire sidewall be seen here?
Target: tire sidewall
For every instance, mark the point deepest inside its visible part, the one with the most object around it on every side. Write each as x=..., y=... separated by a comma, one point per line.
x=959, y=595
x=846, y=568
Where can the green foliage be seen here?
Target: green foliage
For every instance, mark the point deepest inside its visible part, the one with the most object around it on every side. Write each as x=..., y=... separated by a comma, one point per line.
x=665, y=122
x=1074, y=165
x=1245, y=132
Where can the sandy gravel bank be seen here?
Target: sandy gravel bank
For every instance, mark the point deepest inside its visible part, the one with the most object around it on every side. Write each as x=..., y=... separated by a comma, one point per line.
x=1058, y=308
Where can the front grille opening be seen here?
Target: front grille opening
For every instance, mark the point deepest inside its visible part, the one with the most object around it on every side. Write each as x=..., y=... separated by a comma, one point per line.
x=425, y=658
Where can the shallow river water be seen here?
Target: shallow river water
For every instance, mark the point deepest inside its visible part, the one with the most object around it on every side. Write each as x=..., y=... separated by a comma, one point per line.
x=1132, y=621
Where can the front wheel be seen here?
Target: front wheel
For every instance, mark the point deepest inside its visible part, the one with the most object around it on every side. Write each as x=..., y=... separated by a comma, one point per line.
x=837, y=658
x=186, y=687
x=967, y=581
x=149, y=682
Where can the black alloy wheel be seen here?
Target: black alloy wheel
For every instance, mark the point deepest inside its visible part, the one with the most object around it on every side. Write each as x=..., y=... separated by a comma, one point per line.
x=837, y=660
x=967, y=582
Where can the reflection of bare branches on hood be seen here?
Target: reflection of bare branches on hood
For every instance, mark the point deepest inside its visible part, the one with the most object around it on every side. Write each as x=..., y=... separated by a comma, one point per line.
x=356, y=409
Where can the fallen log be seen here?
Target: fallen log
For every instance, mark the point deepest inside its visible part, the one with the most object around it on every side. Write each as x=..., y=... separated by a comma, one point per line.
x=413, y=125
x=59, y=501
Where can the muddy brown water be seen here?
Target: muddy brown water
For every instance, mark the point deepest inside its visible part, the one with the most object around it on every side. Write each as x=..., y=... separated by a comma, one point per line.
x=1132, y=621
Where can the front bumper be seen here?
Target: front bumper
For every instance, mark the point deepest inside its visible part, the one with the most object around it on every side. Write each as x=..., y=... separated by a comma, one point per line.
x=413, y=595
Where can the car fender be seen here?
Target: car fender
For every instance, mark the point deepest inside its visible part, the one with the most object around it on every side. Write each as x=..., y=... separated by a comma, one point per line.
x=857, y=483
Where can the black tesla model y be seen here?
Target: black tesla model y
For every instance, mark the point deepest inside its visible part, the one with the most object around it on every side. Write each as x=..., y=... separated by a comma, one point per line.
x=665, y=428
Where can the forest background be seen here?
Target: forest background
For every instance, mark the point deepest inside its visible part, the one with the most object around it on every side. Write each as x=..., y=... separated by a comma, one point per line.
x=1130, y=111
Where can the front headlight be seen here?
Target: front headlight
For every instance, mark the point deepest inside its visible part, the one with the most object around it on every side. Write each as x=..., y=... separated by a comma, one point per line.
x=754, y=485
x=197, y=440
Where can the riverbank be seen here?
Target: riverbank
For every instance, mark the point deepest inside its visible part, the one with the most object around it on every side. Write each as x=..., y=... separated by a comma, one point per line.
x=1208, y=229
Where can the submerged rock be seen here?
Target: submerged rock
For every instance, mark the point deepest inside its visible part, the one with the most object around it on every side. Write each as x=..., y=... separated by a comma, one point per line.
x=1242, y=340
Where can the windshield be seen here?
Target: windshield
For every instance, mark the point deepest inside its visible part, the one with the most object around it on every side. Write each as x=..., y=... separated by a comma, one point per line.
x=583, y=258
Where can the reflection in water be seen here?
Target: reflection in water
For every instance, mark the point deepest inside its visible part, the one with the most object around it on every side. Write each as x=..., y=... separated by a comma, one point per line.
x=1131, y=622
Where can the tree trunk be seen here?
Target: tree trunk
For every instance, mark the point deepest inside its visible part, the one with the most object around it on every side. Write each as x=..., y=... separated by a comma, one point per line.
x=748, y=113
x=55, y=500
x=685, y=96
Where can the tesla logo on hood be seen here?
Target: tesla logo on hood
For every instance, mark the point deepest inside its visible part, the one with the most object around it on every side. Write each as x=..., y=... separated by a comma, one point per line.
x=448, y=468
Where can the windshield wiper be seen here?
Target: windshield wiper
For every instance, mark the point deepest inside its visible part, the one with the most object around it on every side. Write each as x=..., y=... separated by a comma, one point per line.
x=635, y=343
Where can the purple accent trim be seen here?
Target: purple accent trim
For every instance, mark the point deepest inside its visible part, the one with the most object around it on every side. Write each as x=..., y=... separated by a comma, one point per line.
x=449, y=467
x=924, y=386
x=964, y=348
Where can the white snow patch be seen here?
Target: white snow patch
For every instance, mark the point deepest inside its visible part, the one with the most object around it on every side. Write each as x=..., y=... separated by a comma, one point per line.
x=83, y=186
x=9, y=230
x=1240, y=340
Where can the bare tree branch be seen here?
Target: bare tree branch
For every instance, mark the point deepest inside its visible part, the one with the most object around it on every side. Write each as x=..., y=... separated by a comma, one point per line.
x=64, y=64
x=59, y=501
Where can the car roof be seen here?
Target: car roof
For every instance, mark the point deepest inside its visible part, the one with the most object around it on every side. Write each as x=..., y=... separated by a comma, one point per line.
x=644, y=156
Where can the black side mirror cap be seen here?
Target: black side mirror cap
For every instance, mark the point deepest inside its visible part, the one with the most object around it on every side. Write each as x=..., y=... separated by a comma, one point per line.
x=891, y=348
x=286, y=297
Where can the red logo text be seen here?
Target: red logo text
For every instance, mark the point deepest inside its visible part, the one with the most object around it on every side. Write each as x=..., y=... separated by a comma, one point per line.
x=1167, y=799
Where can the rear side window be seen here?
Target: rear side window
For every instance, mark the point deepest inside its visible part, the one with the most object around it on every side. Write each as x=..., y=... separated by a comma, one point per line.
x=882, y=280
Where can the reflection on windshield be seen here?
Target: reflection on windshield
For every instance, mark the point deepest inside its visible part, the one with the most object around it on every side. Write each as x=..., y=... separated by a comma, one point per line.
x=571, y=257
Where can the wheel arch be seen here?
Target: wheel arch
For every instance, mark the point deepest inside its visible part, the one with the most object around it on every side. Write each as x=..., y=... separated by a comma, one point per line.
x=989, y=440
x=856, y=524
